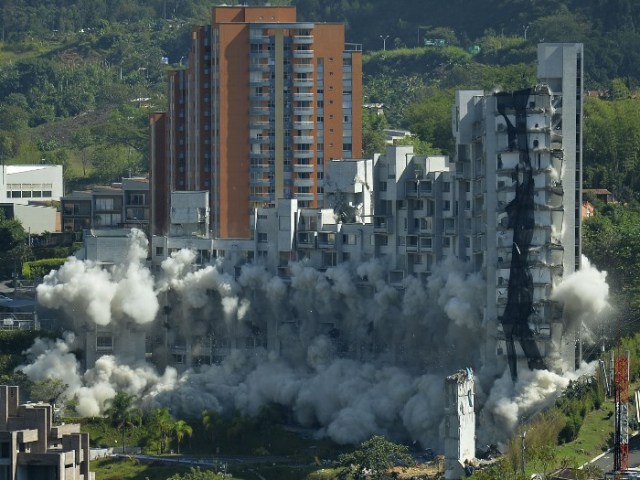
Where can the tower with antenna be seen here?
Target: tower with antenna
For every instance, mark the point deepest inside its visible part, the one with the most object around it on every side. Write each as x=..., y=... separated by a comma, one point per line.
x=621, y=417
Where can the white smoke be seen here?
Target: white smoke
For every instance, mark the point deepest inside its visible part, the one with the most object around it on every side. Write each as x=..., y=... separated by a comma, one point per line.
x=349, y=353
x=584, y=295
x=92, y=294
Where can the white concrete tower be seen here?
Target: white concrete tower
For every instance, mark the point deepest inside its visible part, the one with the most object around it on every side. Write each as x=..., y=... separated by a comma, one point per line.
x=459, y=423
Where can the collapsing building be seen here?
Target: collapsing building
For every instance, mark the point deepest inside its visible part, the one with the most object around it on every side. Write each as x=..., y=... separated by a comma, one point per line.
x=32, y=447
x=459, y=423
x=522, y=154
x=506, y=206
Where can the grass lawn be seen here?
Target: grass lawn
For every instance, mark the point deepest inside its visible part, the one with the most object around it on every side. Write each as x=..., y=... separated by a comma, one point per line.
x=119, y=469
x=592, y=440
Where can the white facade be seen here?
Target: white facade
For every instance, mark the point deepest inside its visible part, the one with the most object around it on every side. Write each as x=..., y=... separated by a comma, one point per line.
x=37, y=219
x=25, y=188
x=459, y=423
x=521, y=154
x=20, y=184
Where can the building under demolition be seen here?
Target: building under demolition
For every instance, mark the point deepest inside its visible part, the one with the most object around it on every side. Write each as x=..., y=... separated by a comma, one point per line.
x=506, y=206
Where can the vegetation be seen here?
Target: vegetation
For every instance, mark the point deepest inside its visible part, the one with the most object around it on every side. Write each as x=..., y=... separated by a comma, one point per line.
x=373, y=459
x=39, y=268
x=123, y=415
x=611, y=240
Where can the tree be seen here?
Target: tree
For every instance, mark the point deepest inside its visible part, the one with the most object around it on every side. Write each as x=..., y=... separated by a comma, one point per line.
x=373, y=459
x=180, y=430
x=83, y=139
x=161, y=426
x=13, y=246
x=373, y=125
x=123, y=414
x=211, y=420
x=195, y=474
x=48, y=390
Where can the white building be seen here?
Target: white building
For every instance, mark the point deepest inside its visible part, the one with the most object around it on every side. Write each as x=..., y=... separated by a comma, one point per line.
x=459, y=423
x=25, y=191
x=519, y=155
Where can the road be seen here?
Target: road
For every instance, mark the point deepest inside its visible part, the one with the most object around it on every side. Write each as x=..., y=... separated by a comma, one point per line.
x=606, y=462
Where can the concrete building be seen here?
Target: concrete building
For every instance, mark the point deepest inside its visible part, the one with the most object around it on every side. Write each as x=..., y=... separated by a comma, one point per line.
x=124, y=204
x=26, y=193
x=459, y=423
x=33, y=448
x=264, y=104
x=519, y=159
x=508, y=205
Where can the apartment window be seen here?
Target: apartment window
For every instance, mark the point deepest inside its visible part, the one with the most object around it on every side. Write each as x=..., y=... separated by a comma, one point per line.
x=446, y=242
x=159, y=251
x=104, y=342
x=383, y=186
x=446, y=205
x=349, y=239
x=446, y=187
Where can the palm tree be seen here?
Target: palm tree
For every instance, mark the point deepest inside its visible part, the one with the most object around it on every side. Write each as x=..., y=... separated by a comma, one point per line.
x=123, y=414
x=211, y=420
x=180, y=429
x=162, y=423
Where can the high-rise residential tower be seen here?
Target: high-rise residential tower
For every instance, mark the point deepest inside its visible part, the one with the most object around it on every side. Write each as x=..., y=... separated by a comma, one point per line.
x=520, y=156
x=264, y=103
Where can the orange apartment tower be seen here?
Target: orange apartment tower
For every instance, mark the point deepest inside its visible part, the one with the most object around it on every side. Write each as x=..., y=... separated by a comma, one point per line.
x=264, y=103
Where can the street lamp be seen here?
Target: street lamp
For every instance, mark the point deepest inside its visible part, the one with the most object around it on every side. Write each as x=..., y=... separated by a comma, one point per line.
x=525, y=28
x=384, y=41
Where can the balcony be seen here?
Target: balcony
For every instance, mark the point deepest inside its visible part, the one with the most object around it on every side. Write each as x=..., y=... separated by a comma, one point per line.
x=259, y=140
x=326, y=239
x=303, y=168
x=258, y=111
x=303, y=96
x=303, y=82
x=412, y=243
x=302, y=53
x=301, y=139
x=307, y=240
x=260, y=67
x=303, y=125
x=259, y=97
x=303, y=110
x=303, y=67
x=303, y=154
x=303, y=182
x=381, y=224
x=303, y=39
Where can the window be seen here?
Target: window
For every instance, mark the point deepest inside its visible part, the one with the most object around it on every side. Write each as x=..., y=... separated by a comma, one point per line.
x=103, y=204
x=383, y=186
x=446, y=187
x=349, y=239
x=447, y=205
x=262, y=238
x=104, y=342
x=446, y=242
x=159, y=251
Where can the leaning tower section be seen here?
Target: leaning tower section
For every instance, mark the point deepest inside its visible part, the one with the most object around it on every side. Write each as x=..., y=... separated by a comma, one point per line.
x=529, y=224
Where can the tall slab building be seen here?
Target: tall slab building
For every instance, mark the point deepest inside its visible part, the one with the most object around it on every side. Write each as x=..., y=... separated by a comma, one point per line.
x=521, y=153
x=264, y=103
